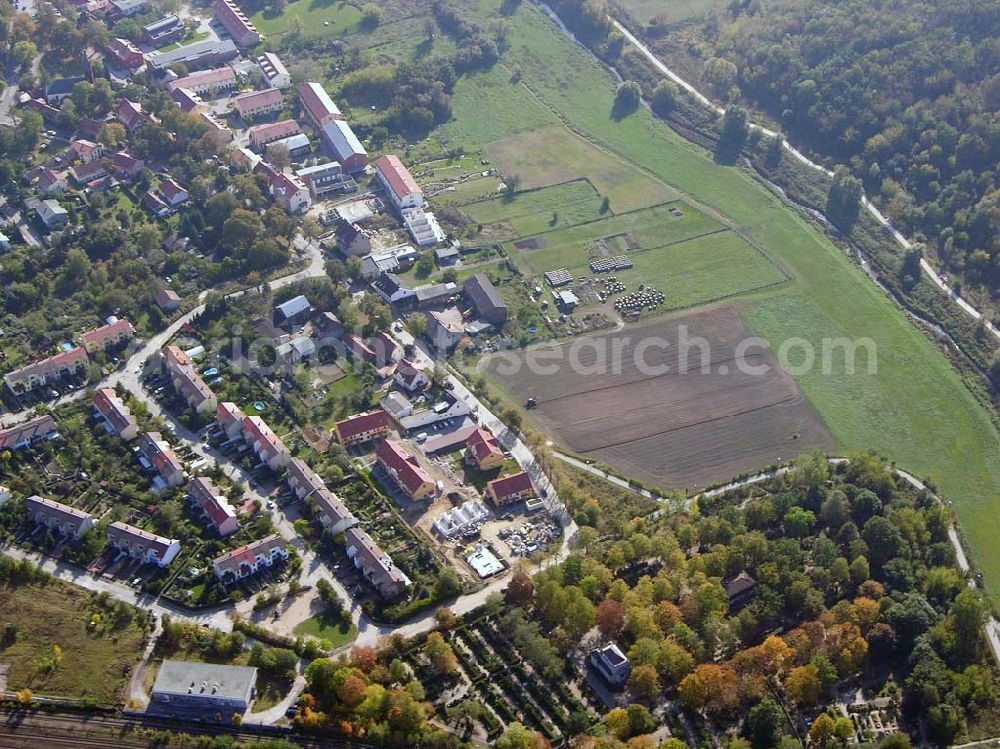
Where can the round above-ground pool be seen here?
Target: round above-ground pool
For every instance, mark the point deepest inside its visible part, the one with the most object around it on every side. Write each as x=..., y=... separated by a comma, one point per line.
x=258, y=405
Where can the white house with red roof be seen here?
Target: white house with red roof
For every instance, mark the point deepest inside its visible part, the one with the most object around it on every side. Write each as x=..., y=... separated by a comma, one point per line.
x=230, y=418
x=130, y=114
x=147, y=547
x=50, y=182
x=377, y=566
x=361, y=428
x=286, y=189
x=402, y=189
x=256, y=103
x=31, y=376
x=118, y=420
x=266, y=444
x=410, y=377
x=214, y=505
x=250, y=559
x=107, y=336
x=171, y=192
x=161, y=458
x=86, y=150
x=405, y=471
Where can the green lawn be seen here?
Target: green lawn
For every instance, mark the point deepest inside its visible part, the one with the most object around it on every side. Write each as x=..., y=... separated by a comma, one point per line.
x=541, y=210
x=338, y=632
x=57, y=614
x=343, y=18
x=189, y=39
x=915, y=409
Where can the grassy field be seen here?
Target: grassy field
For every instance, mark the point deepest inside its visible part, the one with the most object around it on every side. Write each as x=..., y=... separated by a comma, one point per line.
x=914, y=409
x=554, y=154
x=541, y=210
x=57, y=614
x=645, y=230
x=343, y=18
x=673, y=11
x=338, y=632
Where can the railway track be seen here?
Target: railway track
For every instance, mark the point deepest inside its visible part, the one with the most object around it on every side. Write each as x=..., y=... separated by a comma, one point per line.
x=31, y=730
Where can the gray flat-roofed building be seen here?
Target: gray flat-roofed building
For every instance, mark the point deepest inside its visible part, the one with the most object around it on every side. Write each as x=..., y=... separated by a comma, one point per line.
x=208, y=687
x=195, y=56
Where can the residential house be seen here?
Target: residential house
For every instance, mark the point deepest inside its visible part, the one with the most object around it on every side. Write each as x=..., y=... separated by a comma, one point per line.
x=611, y=663
x=357, y=349
x=195, y=56
x=125, y=53
x=168, y=300
x=405, y=471
x=230, y=418
x=377, y=566
x=482, y=451
x=510, y=489
x=235, y=21
x=740, y=590
x=118, y=420
x=445, y=256
x=317, y=105
x=50, y=213
x=257, y=103
x=343, y=145
x=107, y=336
x=298, y=146
x=352, y=239
x=28, y=432
x=4, y=242
x=445, y=328
x=210, y=83
x=172, y=193
x=125, y=8
x=274, y=70
x=410, y=377
x=295, y=350
x=332, y=513
x=391, y=289
x=361, y=428
x=57, y=517
x=159, y=456
x=286, y=189
x=186, y=380
x=324, y=179
x=61, y=89
x=387, y=351
x=327, y=328
x=142, y=545
x=220, y=133
x=392, y=260
x=187, y=99
x=64, y=364
x=486, y=299
x=127, y=166
x=266, y=444
x=214, y=505
x=250, y=559
x=293, y=312
x=165, y=31
x=130, y=115
x=86, y=150
x=50, y=182
x=261, y=135
x=48, y=112
x=90, y=174
x=402, y=190
x=156, y=204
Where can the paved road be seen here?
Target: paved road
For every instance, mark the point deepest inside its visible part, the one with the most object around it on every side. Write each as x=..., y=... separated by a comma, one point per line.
x=936, y=278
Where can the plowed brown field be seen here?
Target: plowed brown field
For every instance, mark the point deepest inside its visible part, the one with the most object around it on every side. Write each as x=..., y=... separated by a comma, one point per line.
x=682, y=427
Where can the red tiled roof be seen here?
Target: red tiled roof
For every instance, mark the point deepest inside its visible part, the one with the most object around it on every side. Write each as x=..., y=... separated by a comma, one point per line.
x=249, y=101
x=248, y=553
x=517, y=483
x=211, y=500
x=362, y=424
x=483, y=444
x=400, y=180
x=112, y=330
x=403, y=466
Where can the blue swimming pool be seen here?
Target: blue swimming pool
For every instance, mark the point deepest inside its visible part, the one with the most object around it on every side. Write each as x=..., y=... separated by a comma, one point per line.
x=210, y=372
x=258, y=405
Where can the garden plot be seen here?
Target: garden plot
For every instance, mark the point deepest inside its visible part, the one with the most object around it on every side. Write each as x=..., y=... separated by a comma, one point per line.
x=537, y=211
x=659, y=427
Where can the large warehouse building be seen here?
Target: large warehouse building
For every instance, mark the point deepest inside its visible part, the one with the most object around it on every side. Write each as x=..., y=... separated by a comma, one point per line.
x=204, y=687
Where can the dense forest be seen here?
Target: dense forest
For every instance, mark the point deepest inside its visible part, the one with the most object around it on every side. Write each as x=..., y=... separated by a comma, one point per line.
x=906, y=94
